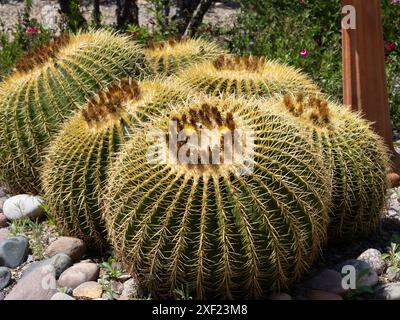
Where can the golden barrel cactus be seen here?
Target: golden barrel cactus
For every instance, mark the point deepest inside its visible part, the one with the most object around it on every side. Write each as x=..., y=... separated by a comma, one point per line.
x=236, y=227
x=168, y=57
x=246, y=76
x=48, y=86
x=79, y=157
x=356, y=156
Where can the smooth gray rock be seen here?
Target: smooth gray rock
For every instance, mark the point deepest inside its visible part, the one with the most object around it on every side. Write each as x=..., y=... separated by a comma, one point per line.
x=390, y=291
x=13, y=251
x=40, y=284
x=373, y=258
x=328, y=280
x=23, y=206
x=59, y=262
x=73, y=247
x=61, y=296
x=78, y=274
x=368, y=280
x=5, y=277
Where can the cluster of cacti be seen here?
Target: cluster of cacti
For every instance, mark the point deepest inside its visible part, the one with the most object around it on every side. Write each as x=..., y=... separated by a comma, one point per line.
x=208, y=227
x=168, y=57
x=78, y=159
x=48, y=85
x=357, y=158
x=235, y=228
x=246, y=76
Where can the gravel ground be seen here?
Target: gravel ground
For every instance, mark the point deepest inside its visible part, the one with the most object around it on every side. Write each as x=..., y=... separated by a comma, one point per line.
x=46, y=12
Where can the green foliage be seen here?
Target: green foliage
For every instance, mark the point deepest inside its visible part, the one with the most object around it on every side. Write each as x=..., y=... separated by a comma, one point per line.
x=33, y=229
x=392, y=258
x=13, y=46
x=361, y=290
x=49, y=216
x=112, y=269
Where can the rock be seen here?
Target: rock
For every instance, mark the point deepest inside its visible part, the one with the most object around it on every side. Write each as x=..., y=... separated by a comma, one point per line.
x=4, y=233
x=322, y=295
x=280, y=296
x=73, y=247
x=394, y=180
x=23, y=206
x=13, y=251
x=368, y=280
x=328, y=280
x=5, y=277
x=390, y=291
x=40, y=284
x=117, y=287
x=130, y=290
x=3, y=220
x=78, y=274
x=373, y=258
x=88, y=290
x=61, y=296
x=124, y=277
x=59, y=262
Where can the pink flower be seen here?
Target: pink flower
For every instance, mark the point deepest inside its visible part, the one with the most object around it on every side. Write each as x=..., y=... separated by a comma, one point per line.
x=135, y=33
x=304, y=53
x=32, y=30
x=302, y=3
x=390, y=46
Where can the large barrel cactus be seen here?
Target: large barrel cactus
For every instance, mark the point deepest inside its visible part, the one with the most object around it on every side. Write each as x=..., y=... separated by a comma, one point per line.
x=357, y=158
x=78, y=159
x=47, y=86
x=246, y=76
x=234, y=229
x=168, y=57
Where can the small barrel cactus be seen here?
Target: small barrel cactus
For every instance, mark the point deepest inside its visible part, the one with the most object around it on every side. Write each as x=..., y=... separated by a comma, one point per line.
x=357, y=158
x=236, y=227
x=47, y=87
x=246, y=76
x=170, y=56
x=78, y=159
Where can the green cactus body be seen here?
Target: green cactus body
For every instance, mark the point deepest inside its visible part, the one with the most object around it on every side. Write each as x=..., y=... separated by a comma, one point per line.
x=215, y=229
x=47, y=87
x=78, y=158
x=246, y=76
x=357, y=158
x=170, y=56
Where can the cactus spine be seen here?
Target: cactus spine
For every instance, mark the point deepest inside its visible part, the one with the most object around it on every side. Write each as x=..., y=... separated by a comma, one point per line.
x=79, y=157
x=48, y=86
x=246, y=76
x=208, y=227
x=357, y=158
x=170, y=56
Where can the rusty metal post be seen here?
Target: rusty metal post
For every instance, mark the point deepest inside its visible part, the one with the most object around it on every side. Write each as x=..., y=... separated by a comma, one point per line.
x=364, y=74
